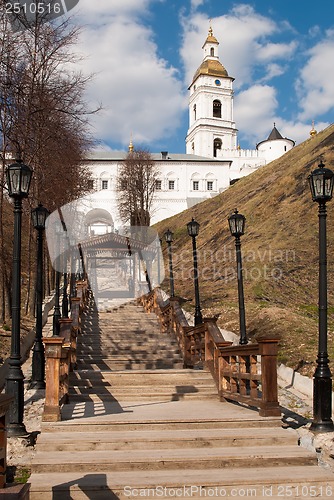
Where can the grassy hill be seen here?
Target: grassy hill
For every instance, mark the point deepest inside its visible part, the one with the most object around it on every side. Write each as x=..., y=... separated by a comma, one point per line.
x=280, y=253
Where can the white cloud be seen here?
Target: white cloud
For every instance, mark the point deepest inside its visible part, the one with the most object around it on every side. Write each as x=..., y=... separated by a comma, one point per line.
x=300, y=131
x=140, y=92
x=102, y=11
x=315, y=85
x=273, y=70
x=197, y=3
x=254, y=112
x=272, y=51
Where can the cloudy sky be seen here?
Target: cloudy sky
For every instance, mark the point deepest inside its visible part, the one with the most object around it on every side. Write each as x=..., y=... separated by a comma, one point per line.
x=144, y=53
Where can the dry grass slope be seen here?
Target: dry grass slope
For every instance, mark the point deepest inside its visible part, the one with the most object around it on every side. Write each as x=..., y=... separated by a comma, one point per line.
x=280, y=253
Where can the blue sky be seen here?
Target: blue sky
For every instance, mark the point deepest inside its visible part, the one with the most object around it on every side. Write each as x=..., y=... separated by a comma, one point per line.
x=144, y=53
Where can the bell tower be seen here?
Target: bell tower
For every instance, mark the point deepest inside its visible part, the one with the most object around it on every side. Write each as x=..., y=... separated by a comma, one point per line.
x=211, y=126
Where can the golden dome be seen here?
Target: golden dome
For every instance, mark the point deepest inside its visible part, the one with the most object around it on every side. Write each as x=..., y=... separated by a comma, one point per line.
x=211, y=67
x=313, y=132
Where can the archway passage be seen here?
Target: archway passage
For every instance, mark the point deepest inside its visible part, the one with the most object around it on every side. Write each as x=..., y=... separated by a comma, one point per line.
x=123, y=266
x=99, y=221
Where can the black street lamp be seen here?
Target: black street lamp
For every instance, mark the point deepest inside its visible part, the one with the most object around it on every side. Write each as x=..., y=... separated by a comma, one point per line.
x=193, y=229
x=237, y=227
x=18, y=176
x=321, y=183
x=56, y=309
x=64, y=303
x=159, y=243
x=73, y=248
x=169, y=241
x=39, y=216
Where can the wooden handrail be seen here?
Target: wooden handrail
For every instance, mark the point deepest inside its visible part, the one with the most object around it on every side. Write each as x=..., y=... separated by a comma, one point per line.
x=246, y=374
x=60, y=357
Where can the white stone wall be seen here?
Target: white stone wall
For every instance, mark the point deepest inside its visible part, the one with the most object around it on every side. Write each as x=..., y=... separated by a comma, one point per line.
x=271, y=150
x=193, y=182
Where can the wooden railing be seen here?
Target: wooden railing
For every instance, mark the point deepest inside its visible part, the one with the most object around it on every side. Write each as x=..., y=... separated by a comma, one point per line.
x=246, y=374
x=60, y=357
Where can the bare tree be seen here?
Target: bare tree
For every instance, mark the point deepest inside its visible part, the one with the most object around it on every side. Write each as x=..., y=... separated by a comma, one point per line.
x=44, y=119
x=136, y=185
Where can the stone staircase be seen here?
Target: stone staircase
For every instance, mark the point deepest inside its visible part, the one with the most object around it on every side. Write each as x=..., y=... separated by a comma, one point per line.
x=139, y=425
x=126, y=338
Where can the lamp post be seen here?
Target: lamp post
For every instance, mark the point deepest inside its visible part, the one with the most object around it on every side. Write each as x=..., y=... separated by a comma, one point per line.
x=193, y=229
x=64, y=303
x=56, y=309
x=18, y=176
x=73, y=248
x=169, y=241
x=321, y=184
x=39, y=216
x=159, y=243
x=237, y=227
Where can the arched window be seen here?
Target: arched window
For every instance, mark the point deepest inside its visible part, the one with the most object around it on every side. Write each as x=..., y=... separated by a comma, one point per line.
x=217, y=109
x=217, y=144
x=104, y=180
x=212, y=51
x=194, y=111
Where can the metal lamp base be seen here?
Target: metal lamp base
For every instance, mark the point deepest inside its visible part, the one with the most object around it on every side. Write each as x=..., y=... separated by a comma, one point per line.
x=16, y=430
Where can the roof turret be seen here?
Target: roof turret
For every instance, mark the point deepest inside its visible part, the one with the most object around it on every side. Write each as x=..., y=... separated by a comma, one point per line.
x=211, y=65
x=210, y=38
x=274, y=134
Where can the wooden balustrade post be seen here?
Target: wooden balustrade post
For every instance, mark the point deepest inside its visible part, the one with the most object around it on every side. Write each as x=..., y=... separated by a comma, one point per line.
x=64, y=374
x=81, y=293
x=5, y=402
x=67, y=333
x=65, y=329
x=53, y=353
x=75, y=311
x=224, y=376
x=268, y=349
x=208, y=356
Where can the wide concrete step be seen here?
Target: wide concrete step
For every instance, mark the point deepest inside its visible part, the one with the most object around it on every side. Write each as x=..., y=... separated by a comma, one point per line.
x=154, y=439
x=140, y=344
x=128, y=364
x=105, y=425
x=143, y=378
x=126, y=340
x=121, y=333
x=286, y=482
x=131, y=352
x=157, y=459
x=135, y=357
x=151, y=397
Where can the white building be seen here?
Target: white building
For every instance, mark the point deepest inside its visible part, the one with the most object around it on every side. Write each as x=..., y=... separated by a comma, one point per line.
x=212, y=161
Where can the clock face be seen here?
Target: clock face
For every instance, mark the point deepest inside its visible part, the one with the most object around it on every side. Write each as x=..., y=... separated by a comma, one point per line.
x=218, y=82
